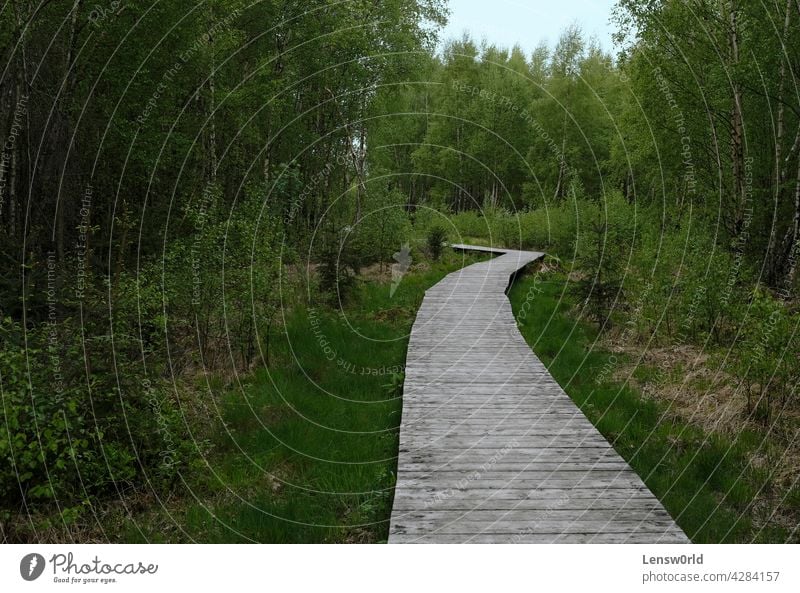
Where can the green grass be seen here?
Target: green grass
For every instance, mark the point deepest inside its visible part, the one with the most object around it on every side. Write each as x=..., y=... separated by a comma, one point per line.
x=703, y=480
x=308, y=448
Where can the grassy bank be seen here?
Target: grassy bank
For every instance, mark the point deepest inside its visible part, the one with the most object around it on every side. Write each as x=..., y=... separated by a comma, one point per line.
x=712, y=484
x=305, y=450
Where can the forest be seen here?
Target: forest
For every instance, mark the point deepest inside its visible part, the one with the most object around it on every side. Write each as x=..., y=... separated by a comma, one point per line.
x=200, y=202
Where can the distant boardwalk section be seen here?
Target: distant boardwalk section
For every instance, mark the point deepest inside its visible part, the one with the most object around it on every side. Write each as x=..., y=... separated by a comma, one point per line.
x=491, y=448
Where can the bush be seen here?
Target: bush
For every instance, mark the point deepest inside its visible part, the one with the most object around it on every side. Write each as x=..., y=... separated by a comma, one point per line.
x=768, y=356
x=88, y=412
x=602, y=250
x=80, y=422
x=437, y=235
x=383, y=228
x=470, y=224
x=219, y=283
x=507, y=230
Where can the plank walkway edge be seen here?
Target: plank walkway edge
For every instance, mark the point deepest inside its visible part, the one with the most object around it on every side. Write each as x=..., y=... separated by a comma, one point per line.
x=491, y=448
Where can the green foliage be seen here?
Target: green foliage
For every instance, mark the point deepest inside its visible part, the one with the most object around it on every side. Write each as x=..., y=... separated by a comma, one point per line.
x=395, y=385
x=603, y=243
x=753, y=197
x=470, y=223
x=552, y=229
x=506, y=230
x=507, y=132
x=383, y=228
x=73, y=429
x=233, y=265
x=437, y=235
x=600, y=284
x=769, y=356
x=339, y=263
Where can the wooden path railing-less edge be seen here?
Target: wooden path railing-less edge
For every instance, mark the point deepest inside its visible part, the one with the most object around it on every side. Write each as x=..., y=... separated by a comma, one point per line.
x=491, y=448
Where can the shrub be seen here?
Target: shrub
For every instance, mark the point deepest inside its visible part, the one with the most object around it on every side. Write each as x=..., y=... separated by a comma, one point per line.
x=80, y=422
x=470, y=223
x=383, y=228
x=437, y=235
x=602, y=250
x=339, y=263
x=550, y=229
x=507, y=230
x=768, y=355
x=219, y=283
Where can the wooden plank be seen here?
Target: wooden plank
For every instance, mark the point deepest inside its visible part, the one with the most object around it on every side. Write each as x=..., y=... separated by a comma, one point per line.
x=553, y=495
x=538, y=537
x=581, y=520
x=491, y=448
x=411, y=503
x=566, y=526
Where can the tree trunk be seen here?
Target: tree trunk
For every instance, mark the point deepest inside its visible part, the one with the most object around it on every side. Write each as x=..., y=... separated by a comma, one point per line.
x=792, y=248
x=212, y=91
x=737, y=131
x=14, y=160
x=70, y=82
x=775, y=259
x=562, y=161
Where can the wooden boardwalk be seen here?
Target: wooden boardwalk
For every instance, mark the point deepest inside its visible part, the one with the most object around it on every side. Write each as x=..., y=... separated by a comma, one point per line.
x=491, y=448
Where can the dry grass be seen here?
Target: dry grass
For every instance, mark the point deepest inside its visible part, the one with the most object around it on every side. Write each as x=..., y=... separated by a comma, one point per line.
x=696, y=389
x=684, y=377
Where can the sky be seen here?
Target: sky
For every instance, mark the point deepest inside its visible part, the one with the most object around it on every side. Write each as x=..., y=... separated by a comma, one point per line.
x=527, y=22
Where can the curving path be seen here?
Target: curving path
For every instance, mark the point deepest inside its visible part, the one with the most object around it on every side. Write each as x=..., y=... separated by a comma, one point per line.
x=491, y=448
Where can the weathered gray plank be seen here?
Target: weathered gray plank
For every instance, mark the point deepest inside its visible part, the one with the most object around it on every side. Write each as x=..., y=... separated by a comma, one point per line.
x=491, y=448
x=539, y=537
